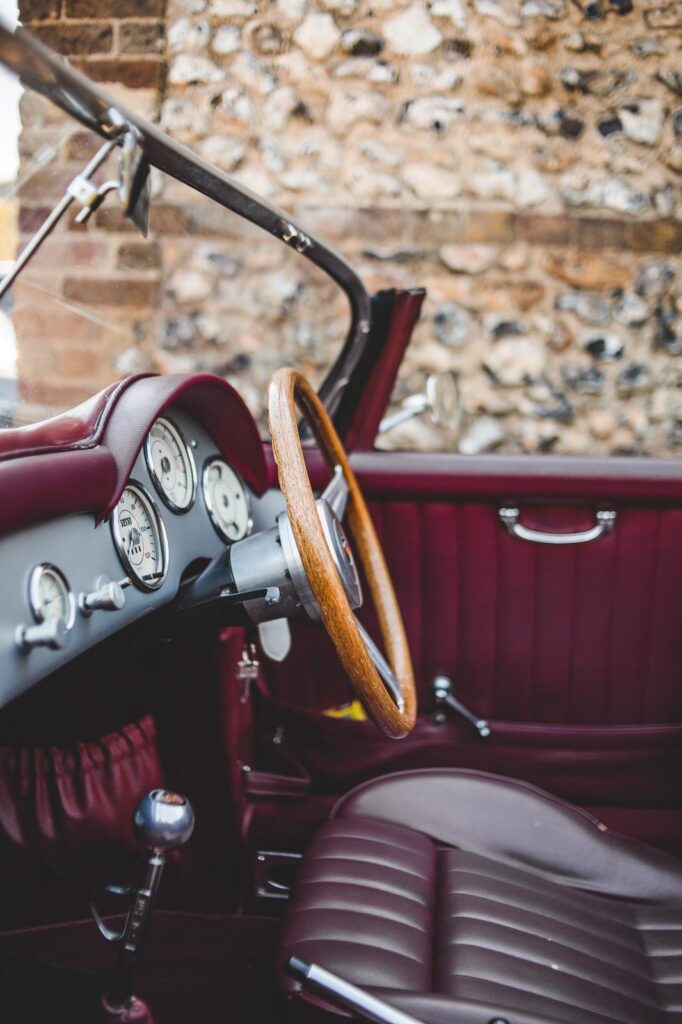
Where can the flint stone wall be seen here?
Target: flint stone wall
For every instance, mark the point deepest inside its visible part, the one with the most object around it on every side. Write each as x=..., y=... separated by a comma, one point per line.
x=521, y=160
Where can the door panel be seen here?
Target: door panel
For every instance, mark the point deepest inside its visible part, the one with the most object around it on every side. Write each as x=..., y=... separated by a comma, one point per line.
x=573, y=652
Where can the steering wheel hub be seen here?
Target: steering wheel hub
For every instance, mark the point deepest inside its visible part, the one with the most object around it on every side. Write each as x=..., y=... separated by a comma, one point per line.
x=340, y=551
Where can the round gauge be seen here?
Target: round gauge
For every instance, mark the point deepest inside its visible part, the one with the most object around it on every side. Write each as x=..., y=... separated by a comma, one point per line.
x=140, y=538
x=50, y=596
x=171, y=465
x=226, y=500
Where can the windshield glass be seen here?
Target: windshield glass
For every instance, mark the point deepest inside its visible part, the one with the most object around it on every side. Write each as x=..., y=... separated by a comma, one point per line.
x=206, y=290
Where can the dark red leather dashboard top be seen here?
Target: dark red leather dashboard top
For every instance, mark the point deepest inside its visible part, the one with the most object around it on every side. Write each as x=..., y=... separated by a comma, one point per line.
x=80, y=461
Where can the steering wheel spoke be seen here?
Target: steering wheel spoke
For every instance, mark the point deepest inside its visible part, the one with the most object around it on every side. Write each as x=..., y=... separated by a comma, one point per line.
x=382, y=667
x=336, y=493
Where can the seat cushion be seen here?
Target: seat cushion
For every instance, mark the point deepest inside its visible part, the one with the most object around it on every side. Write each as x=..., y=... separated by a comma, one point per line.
x=454, y=935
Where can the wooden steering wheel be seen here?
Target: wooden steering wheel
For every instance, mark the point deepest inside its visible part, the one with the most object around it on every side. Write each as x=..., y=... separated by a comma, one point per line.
x=384, y=685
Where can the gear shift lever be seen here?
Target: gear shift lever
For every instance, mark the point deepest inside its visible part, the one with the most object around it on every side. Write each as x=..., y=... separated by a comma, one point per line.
x=162, y=821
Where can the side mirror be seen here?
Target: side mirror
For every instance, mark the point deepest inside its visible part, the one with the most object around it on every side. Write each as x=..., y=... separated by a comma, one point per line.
x=440, y=399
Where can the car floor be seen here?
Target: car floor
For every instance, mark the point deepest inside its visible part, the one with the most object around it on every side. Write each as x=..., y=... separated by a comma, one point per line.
x=197, y=968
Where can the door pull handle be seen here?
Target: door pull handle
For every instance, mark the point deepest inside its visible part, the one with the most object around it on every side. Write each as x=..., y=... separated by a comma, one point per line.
x=509, y=518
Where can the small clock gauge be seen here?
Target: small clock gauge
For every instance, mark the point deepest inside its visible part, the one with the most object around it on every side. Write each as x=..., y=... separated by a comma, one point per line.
x=50, y=596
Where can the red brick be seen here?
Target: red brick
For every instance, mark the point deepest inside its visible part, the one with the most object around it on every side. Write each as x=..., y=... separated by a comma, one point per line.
x=55, y=393
x=439, y=228
x=142, y=37
x=591, y=233
x=541, y=230
x=31, y=217
x=143, y=73
x=39, y=10
x=114, y=8
x=138, y=256
x=109, y=218
x=655, y=236
x=490, y=226
x=85, y=37
x=81, y=146
x=98, y=291
x=36, y=321
x=63, y=359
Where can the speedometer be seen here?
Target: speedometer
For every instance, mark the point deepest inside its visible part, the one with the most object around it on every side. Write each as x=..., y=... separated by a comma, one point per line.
x=171, y=465
x=140, y=538
x=226, y=500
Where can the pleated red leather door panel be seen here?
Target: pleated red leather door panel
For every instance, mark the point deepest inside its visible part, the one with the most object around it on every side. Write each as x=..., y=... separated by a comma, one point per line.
x=573, y=652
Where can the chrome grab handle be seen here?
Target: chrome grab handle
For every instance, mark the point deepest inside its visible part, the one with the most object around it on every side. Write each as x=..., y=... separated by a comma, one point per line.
x=509, y=518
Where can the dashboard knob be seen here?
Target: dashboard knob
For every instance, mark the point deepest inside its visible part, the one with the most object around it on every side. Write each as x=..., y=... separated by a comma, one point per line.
x=107, y=596
x=53, y=634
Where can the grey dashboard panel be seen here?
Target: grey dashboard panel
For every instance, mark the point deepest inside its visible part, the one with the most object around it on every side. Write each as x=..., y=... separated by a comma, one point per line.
x=83, y=551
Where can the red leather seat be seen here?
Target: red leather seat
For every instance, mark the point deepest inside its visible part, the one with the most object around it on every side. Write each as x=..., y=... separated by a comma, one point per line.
x=461, y=897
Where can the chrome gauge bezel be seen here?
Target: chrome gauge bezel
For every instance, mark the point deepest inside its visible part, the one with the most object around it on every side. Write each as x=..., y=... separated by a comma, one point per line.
x=34, y=593
x=187, y=451
x=209, y=503
x=155, y=515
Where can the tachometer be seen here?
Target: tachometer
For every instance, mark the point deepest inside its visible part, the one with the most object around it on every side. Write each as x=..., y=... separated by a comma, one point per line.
x=50, y=596
x=140, y=538
x=171, y=465
x=226, y=500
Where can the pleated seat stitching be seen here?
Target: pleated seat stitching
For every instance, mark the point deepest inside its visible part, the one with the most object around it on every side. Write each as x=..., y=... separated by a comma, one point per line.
x=365, y=945
x=360, y=885
x=538, y=913
x=379, y=839
x=564, y=971
x=367, y=860
x=555, y=943
x=560, y=898
x=381, y=914
x=557, y=1020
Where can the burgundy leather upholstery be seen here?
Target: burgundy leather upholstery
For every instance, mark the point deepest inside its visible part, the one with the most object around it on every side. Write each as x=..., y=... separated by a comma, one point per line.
x=573, y=653
x=405, y=309
x=80, y=461
x=461, y=897
x=61, y=806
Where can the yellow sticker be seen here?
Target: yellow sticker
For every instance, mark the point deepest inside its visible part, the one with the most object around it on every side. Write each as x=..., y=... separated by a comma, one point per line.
x=353, y=711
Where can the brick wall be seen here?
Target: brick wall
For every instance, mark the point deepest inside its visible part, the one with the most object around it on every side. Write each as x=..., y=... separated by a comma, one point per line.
x=64, y=356
x=520, y=159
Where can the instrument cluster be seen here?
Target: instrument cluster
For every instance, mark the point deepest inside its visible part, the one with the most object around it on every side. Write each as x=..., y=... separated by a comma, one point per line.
x=182, y=501
x=137, y=526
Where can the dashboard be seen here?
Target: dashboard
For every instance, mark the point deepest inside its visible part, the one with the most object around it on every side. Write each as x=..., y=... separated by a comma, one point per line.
x=69, y=583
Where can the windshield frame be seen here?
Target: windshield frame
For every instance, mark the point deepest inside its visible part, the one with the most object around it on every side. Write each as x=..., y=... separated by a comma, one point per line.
x=43, y=71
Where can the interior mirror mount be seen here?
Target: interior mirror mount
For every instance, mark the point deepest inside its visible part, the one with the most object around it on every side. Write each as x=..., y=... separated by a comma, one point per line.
x=131, y=185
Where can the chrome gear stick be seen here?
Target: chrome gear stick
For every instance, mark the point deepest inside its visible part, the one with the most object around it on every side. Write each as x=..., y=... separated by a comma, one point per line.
x=162, y=821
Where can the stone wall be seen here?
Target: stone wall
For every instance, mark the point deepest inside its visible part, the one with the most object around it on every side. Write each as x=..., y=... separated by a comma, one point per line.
x=519, y=159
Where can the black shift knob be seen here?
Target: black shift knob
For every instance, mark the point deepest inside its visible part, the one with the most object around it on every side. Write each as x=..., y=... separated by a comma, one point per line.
x=163, y=820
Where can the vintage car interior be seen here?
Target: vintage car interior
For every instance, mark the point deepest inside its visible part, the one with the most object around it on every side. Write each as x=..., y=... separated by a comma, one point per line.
x=259, y=765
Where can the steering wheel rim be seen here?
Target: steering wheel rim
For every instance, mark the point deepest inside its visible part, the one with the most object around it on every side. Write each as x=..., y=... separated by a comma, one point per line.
x=289, y=389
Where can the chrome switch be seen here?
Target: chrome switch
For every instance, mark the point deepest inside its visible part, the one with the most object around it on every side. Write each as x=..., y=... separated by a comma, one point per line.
x=107, y=596
x=53, y=634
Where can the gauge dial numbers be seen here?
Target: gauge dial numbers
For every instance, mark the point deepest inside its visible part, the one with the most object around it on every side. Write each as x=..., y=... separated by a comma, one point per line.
x=50, y=596
x=140, y=538
x=171, y=465
x=226, y=500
